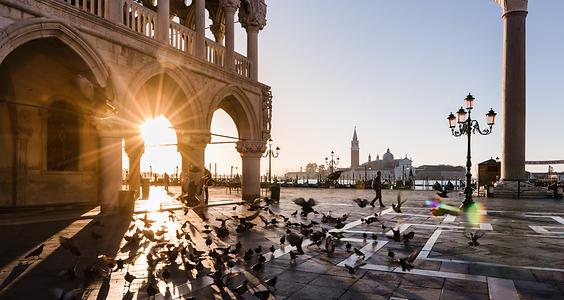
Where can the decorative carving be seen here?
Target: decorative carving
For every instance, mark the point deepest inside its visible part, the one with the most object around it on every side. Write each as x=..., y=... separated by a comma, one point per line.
x=230, y=5
x=512, y=5
x=252, y=14
x=218, y=30
x=251, y=146
x=266, y=113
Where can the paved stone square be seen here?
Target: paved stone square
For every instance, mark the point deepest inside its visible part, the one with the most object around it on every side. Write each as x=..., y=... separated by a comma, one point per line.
x=519, y=257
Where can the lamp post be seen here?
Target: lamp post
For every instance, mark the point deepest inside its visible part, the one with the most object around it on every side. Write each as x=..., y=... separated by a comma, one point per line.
x=467, y=126
x=271, y=154
x=331, y=163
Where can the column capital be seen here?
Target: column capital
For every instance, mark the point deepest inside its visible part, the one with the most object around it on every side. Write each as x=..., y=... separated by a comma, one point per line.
x=509, y=6
x=252, y=15
x=251, y=148
x=230, y=5
x=198, y=140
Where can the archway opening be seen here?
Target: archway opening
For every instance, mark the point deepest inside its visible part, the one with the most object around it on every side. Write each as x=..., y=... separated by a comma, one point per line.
x=161, y=155
x=222, y=159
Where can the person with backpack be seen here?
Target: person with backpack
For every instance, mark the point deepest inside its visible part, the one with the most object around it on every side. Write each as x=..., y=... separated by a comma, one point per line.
x=377, y=187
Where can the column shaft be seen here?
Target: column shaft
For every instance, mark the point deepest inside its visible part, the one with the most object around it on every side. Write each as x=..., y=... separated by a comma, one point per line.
x=252, y=50
x=110, y=173
x=200, y=11
x=513, y=97
x=250, y=179
x=163, y=21
x=229, y=38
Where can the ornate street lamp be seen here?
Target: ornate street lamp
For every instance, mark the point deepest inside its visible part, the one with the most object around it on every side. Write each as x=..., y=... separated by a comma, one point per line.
x=271, y=154
x=467, y=126
x=331, y=163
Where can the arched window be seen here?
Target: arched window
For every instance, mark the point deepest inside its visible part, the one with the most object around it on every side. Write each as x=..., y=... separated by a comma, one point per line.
x=62, y=137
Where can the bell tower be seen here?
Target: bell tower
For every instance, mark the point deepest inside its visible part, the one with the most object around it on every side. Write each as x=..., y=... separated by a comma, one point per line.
x=354, y=150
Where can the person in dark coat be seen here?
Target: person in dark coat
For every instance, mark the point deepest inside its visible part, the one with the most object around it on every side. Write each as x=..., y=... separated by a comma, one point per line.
x=377, y=187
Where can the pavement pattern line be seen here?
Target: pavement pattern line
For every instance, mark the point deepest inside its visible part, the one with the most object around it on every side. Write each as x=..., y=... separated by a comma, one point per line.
x=368, y=249
x=502, y=289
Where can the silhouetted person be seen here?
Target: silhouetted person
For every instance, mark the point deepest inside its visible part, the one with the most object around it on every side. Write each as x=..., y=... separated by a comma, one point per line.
x=377, y=187
x=166, y=181
x=207, y=181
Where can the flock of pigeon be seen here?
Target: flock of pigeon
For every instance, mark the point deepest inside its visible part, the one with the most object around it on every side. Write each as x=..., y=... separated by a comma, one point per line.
x=205, y=252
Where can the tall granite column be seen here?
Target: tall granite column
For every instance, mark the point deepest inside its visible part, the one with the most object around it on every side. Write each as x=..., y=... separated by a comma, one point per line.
x=513, y=90
x=253, y=18
x=251, y=153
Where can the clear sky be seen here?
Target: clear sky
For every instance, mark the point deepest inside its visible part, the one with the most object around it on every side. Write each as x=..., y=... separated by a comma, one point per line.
x=396, y=69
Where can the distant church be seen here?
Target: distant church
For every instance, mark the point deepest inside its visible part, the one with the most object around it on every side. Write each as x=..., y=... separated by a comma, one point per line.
x=391, y=168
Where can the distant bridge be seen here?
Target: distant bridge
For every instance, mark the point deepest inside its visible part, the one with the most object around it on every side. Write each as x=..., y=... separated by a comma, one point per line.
x=545, y=162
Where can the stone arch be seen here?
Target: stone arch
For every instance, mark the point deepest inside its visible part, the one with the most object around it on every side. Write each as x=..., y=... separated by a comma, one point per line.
x=179, y=77
x=237, y=104
x=39, y=28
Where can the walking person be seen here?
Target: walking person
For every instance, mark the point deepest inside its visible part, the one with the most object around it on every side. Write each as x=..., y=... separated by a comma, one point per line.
x=377, y=187
x=207, y=181
x=166, y=181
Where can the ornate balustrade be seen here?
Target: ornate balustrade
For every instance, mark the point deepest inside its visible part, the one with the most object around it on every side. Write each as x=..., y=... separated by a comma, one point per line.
x=182, y=38
x=215, y=53
x=242, y=65
x=95, y=7
x=139, y=18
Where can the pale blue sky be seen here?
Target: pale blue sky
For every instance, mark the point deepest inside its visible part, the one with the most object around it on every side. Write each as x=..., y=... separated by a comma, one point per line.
x=395, y=69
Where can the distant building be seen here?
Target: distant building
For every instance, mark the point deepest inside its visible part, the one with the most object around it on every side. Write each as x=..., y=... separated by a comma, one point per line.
x=391, y=168
x=434, y=172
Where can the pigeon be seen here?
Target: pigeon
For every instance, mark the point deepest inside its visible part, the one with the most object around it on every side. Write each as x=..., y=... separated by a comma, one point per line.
x=129, y=278
x=70, y=245
x=473, y=238
x=361, y=202
x=443, y=191
x=307, y=206
x=36, y=252
x=348, y=246
x=391, y=253
x=353, y=269
x=283, y=240
x=406, y=262
x=396, y=235
x=335, y=175
x=272, y=249
x=294, y=213
x=271, y=282
x=358, y=252
x=397, y=207
x=293, y=255
x=406, y=237
x=295, y=240
x=329, y=244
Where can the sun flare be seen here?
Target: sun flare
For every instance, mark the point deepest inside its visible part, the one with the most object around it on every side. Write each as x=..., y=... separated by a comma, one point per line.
x=160, y=146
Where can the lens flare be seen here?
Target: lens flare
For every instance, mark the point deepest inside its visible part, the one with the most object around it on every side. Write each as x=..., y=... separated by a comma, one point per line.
x=474, y=213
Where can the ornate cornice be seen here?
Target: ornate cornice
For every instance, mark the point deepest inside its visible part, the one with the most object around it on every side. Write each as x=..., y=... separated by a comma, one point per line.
x=257, y=147
x=253, y=14
x=194, y=140
x=512, y=5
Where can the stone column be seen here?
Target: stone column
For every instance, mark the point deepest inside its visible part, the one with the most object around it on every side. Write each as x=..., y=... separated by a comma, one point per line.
x=192, y=147
x=163, y=21
x=218, y=30
x=513, y=91
x=200, y=11
x=253, y=19
x=134, y=147
x=114, y=11
x=229, y=8
x=109, y=166
x=251, y=153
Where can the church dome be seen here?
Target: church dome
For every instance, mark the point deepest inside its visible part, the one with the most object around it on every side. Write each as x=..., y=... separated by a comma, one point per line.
x=388, y=155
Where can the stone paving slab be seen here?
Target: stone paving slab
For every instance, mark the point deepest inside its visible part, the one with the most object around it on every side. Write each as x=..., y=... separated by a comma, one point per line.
x=509, y=245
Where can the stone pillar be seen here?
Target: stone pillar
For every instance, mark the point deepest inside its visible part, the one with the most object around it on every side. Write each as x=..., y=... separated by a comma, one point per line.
x=134, y=147
x=251, y=153
x=253, y=19
x=513, y=91
x=200, y=11
x=192, y=147
x=229, y=8
x=109, y=166
x=163, y=21
x=114, y=11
